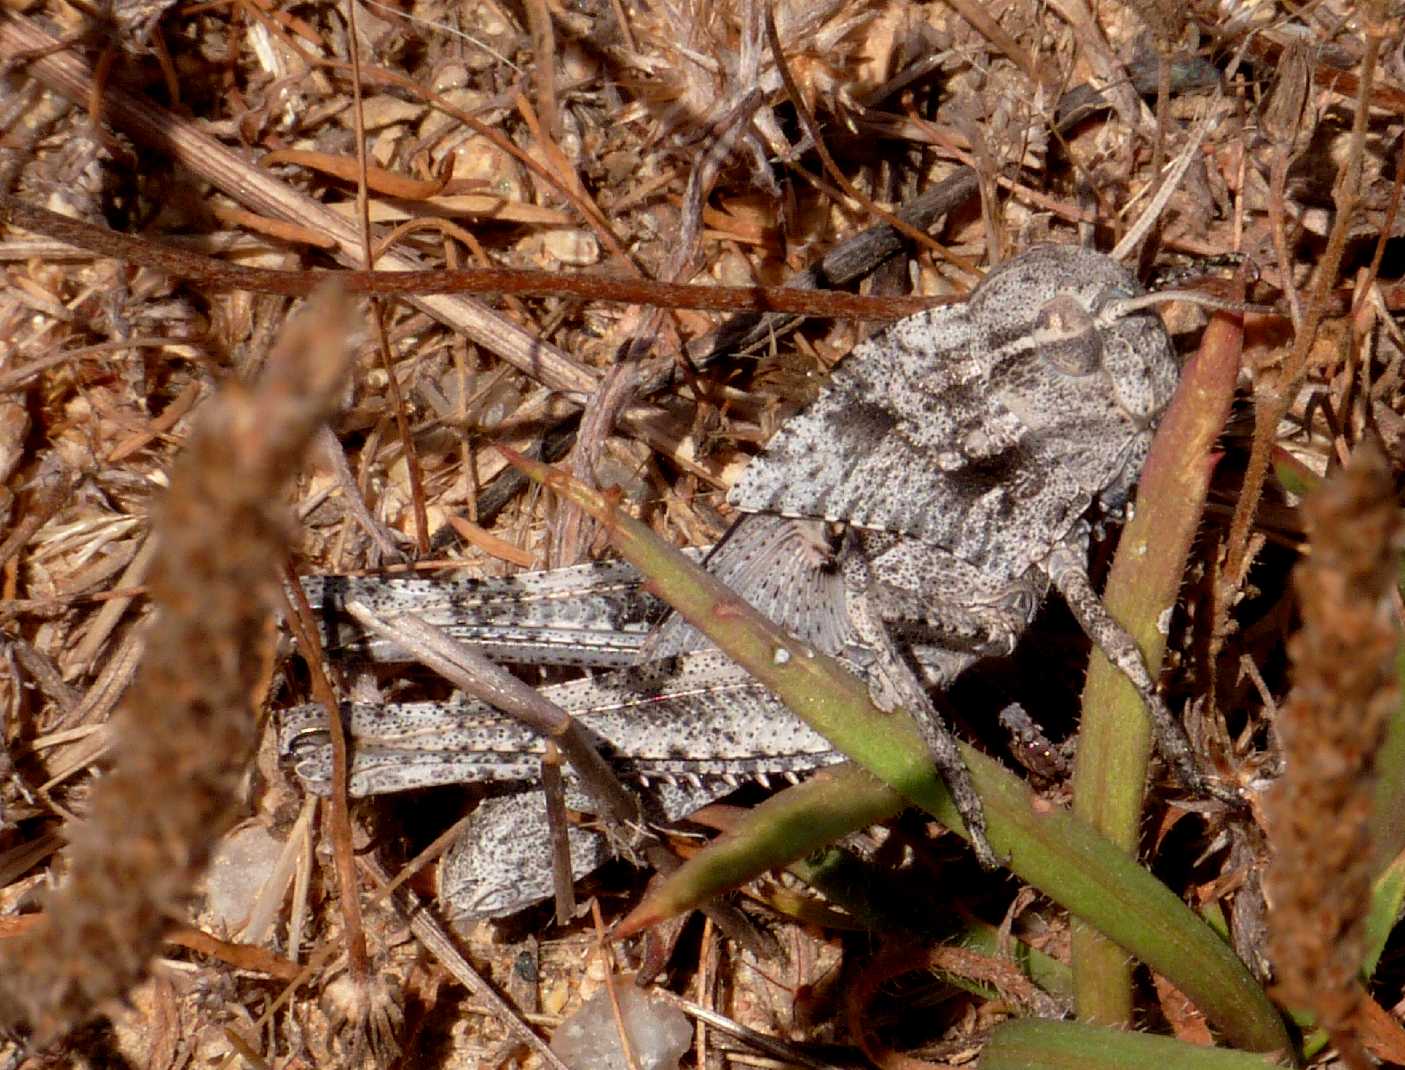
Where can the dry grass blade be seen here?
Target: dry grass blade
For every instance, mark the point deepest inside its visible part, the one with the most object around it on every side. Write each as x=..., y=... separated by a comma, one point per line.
x=1274, y=404
x=168, y=132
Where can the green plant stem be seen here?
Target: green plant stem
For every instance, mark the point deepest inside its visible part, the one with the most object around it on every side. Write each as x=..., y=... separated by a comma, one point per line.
x=1046, y=846
x=1114, y=742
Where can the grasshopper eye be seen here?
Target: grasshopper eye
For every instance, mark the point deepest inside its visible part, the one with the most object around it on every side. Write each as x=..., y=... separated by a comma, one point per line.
x=1067, y=337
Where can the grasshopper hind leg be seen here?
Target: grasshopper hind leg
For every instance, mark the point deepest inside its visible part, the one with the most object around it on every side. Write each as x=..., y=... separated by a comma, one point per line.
x=501, y=863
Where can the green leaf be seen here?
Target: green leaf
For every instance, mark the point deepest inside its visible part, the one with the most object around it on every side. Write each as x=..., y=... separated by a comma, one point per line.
x=1045, y=845
x=1032, y=1044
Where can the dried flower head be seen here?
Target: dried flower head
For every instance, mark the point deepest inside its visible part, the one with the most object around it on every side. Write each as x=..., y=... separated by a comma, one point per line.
x=1344, y=690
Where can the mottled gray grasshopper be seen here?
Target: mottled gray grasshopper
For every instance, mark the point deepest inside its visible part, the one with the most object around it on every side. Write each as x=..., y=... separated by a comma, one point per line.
x=910, y=522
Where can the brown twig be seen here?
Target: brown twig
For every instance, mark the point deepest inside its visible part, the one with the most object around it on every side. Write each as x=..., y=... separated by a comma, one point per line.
x=377, y=310
x=301, y=622
x=554, y=788
x=544, y=73
x=219, y=275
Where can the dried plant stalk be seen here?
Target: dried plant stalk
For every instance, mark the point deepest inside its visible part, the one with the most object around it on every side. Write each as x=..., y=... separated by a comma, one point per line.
x=187, y=727
x=1344, y=690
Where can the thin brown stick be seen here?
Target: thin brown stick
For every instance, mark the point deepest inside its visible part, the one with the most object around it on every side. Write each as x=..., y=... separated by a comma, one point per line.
x=544, y=72
x=554, y=788
x=377, y=310
x=358, y=960
x=219, y=275
x=298, y=614
x=1278, y=185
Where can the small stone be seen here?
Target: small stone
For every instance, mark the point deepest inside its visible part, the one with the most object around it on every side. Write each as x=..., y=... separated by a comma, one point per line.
x=243, y=862
x=589, y=1039
x=578, y=248
x=382, y=111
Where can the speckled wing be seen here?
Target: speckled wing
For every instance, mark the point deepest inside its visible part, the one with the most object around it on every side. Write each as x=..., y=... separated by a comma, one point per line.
x=852, y=455
x=702, y=717
x=502, y=861
x=965, y=427
x=784, y=568
x=594, y=615
x=905, y=440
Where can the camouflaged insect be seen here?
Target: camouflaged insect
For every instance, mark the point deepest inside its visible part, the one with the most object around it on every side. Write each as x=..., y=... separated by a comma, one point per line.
x=910, y=521
x=948, y=474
